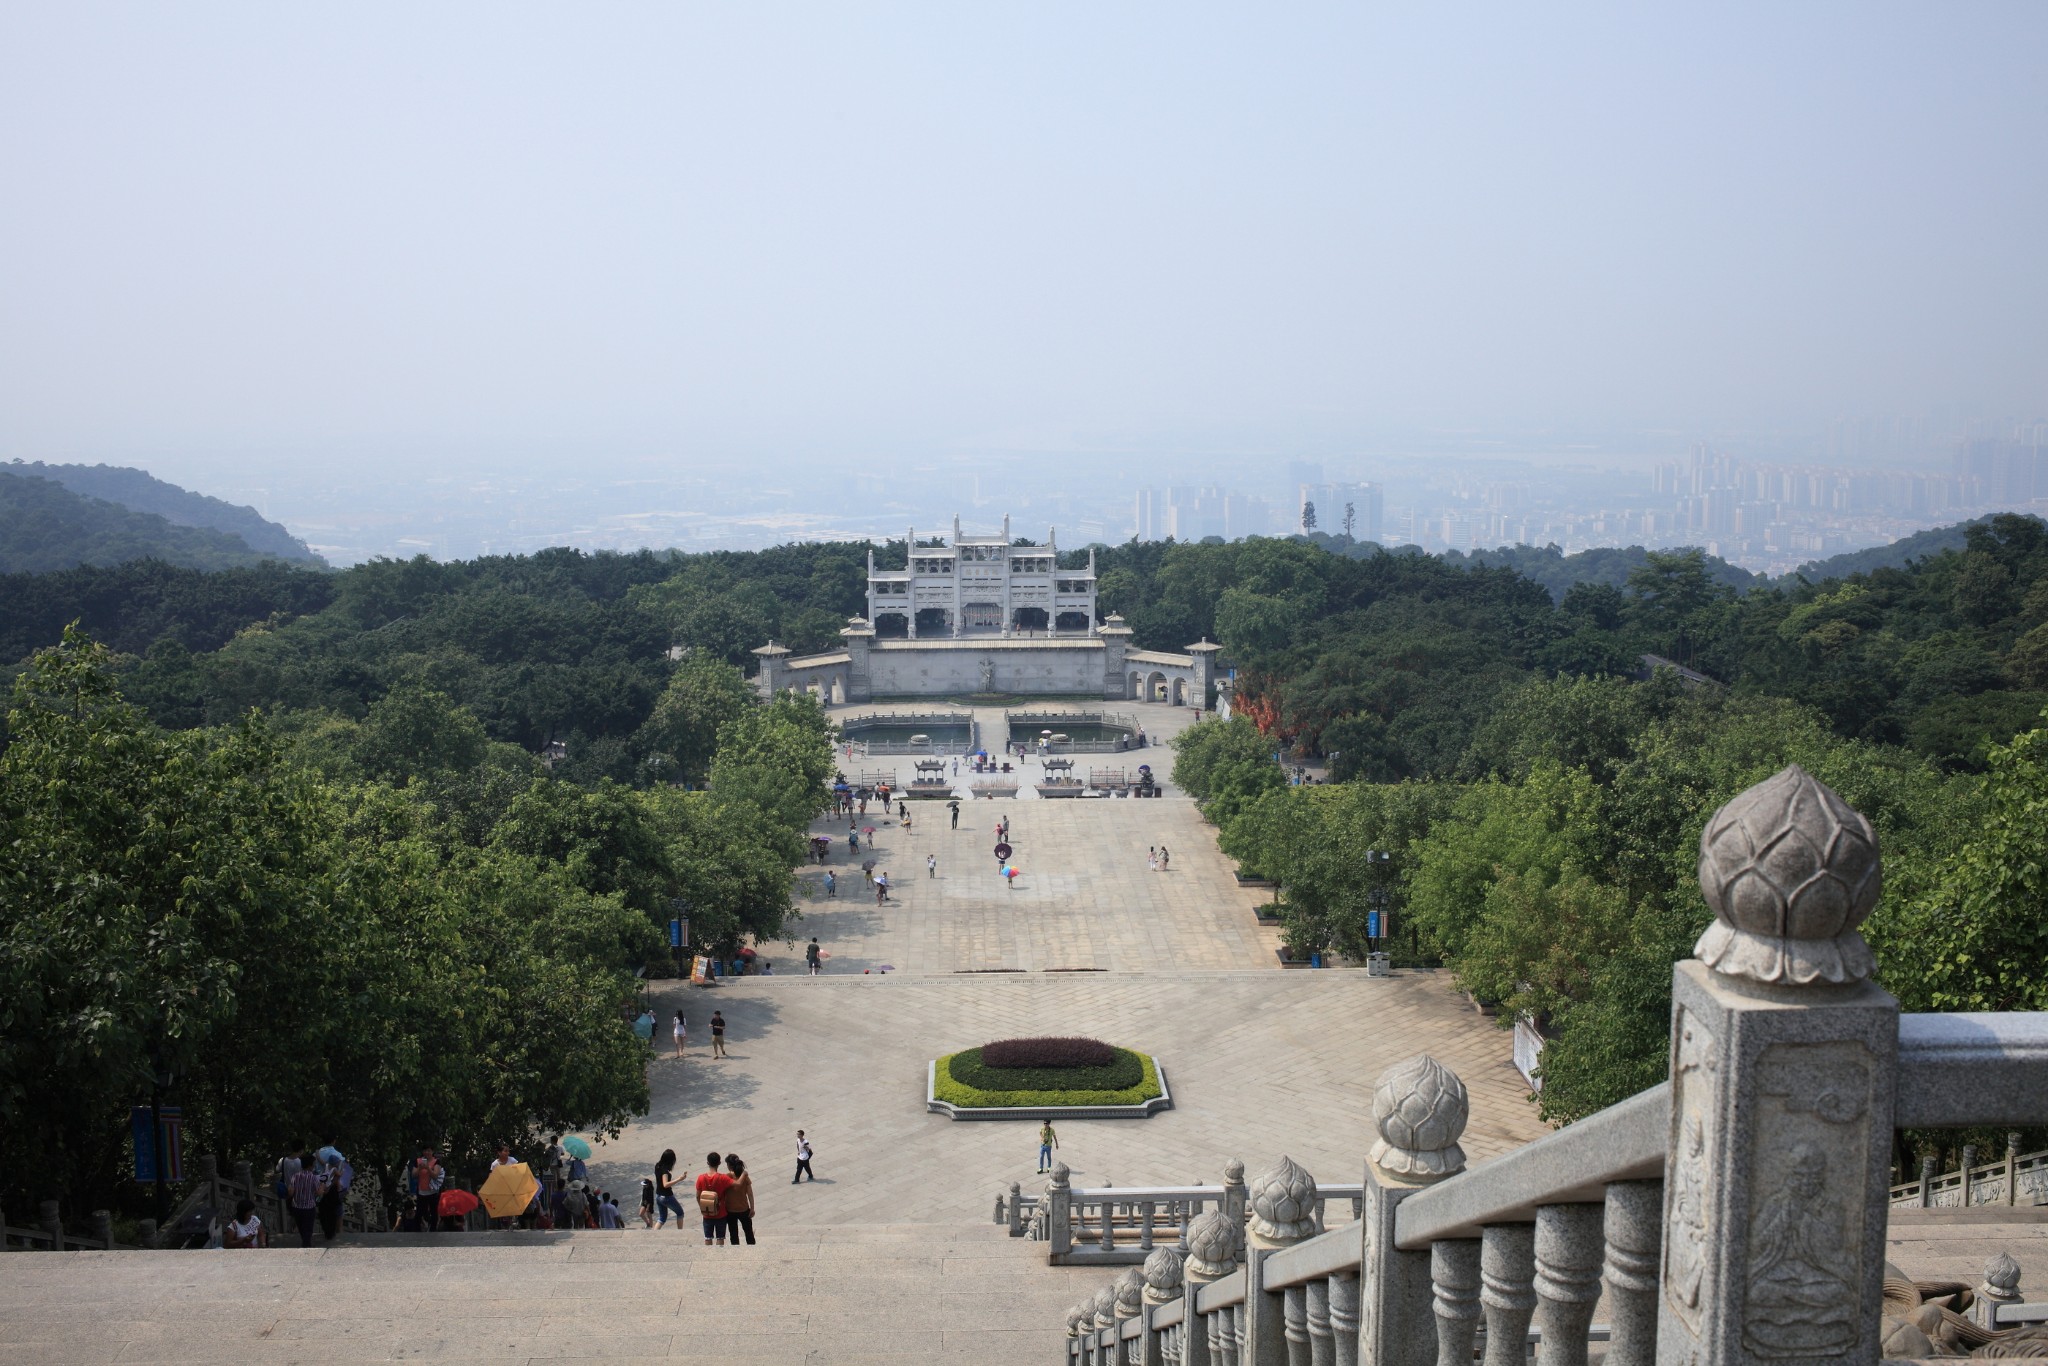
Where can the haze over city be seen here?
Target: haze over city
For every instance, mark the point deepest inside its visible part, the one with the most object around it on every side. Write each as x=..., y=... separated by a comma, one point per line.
x=480, y=278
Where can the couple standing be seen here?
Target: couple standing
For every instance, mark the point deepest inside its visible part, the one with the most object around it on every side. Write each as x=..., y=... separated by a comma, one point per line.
x=725, y=1199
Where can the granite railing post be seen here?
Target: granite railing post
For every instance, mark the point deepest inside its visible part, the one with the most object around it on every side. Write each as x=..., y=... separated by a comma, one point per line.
x=146, y=1232
x=1130, y=1303
x=1454, y=1283
x=1568, y=1254
x=1164, y=1272
x=1212, y=1255
x=1969, y=1179
x=1784, y=1060
x=2001, y=1287
x=1105, y=1317
x=1507, y=1293
x=1016, y=1209
x=245, y=1179
x=1633, y=1225
x=1059, y=1215
x=1927, y=1168
x=1283, y=1204
x=103, y=1228
x=1233, y=1199
x=1420, y=1108
x=53, y=1224
x=2012, y=1168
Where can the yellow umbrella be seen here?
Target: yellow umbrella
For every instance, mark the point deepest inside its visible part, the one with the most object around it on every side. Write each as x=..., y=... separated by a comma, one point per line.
x=509, y=1190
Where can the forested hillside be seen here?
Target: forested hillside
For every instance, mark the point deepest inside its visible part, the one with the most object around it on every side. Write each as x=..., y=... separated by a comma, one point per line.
x=45, y=526
x=140, y=491
x=1540, y=803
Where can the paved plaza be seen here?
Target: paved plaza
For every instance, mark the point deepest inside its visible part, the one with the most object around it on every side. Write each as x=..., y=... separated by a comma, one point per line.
x=1085, y=898
x=1260, y=1063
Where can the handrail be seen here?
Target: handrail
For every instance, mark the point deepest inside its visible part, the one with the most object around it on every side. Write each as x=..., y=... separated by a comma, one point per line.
x=1323, y=1255
x=1221, y=1293
x=1967, y=1069
x=1624, y=1142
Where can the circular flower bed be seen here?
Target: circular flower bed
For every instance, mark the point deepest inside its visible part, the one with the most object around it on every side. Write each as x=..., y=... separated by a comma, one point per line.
x=1037, y=1073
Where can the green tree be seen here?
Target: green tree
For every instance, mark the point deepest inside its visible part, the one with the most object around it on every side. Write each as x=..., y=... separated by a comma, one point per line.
x=680, y=737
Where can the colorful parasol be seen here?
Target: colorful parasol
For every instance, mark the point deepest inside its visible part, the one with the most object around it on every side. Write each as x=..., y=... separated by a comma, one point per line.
x=506, y=1192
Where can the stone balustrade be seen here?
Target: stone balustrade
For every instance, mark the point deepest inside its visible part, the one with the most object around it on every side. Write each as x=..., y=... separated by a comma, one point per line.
x=1123, y=1225
x=1735, y=1213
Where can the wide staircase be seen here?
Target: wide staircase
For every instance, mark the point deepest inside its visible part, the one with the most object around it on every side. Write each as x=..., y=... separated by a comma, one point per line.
x=865, y=1294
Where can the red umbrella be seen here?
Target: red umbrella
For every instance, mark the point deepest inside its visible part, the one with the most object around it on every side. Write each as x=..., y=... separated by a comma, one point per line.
x=455, y=1204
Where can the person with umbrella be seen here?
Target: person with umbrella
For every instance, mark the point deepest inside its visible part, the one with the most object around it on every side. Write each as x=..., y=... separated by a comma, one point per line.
x=509, y=1190
x=457, y=1203
x=954, y=807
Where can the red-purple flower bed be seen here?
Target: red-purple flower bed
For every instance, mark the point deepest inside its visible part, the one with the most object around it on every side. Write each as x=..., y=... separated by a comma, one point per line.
x=1048, y=1052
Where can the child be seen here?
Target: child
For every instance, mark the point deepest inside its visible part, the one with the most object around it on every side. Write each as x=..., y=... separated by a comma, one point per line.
x=647, y=1202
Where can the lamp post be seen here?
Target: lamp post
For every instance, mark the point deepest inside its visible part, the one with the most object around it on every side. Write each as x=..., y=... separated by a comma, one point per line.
x=160, y=1076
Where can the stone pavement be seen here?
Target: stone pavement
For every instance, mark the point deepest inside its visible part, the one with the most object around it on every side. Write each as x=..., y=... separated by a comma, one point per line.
x=1084, y=897
x=1260, y=1063
x=868, y=1295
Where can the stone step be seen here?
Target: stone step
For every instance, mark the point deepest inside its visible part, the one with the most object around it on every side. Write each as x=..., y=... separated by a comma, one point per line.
x=852, y=1293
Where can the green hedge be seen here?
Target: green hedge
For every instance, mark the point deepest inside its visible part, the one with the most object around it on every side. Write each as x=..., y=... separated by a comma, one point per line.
x=1127, y=1069
x=958, y=1093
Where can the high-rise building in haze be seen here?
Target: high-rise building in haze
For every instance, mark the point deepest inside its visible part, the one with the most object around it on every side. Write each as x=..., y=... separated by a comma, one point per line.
x=1362, y=504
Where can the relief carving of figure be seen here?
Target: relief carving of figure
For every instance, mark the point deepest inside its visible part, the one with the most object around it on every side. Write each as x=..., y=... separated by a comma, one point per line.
x=1802, y=1291
x=1688, y=1261
x=988, y=675
x=1685, y=1246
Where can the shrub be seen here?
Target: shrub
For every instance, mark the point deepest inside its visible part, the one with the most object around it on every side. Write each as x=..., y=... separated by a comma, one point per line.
x=1124, y=1069
x=955, y=1092
x=1048, y=1052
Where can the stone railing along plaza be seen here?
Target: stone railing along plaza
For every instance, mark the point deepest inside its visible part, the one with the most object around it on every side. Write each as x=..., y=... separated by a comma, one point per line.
x=1735, y=1213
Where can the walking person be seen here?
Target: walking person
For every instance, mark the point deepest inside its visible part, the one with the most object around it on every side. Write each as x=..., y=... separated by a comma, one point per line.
x=1047, y=1141
x=303, y=1197
x=665, y=1189
x=739, y=1201
x=333, y=1186
x=803, y=1159
x=881, y=888
x=1165, y=859
x=1152, y=859
x=955, y=806
x=811, y=955
x=931, y=865
x=831, y=884
x=717, y=1034
x=647, y=1202
x=681, y=1031
x=712, y=1184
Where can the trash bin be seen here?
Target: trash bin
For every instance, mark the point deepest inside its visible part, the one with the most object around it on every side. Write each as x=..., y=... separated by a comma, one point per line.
x=1378, y=965
x=1315, y=960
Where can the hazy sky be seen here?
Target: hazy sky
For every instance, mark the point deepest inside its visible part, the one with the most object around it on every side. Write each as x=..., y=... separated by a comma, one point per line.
x=696, y=231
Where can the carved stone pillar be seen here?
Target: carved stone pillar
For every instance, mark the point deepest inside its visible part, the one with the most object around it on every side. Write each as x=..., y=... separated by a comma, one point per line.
x=1420, y=1108
x=1130, y=1303
x=1634, y=1226
x=1507, y=1294
x=1059, y=1211
x=1568, y=1245
x=1783, y=1067
x=1283, y=1203
x=2001, y=1287
x=1927, y=1170
x=1344, y=1319
x=1163, y=1272
x=1454, y=1280
x=1212, y=1255
x=1233, y=1200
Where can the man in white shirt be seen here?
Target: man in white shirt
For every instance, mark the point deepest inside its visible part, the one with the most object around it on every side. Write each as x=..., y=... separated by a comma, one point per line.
x=803, y=1158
